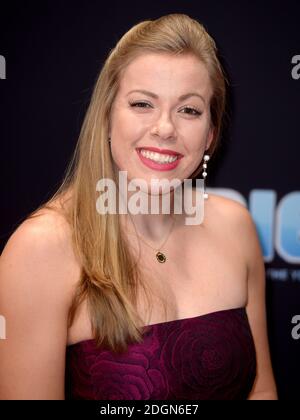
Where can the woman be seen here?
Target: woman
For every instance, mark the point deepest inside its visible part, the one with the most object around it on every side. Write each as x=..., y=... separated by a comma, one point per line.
x=139, y=306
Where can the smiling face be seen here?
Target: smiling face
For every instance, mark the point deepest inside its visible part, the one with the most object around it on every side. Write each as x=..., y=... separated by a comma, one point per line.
x=152, y=109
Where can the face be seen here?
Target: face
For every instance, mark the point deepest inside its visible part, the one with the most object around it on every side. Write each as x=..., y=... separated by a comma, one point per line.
x=154, y=121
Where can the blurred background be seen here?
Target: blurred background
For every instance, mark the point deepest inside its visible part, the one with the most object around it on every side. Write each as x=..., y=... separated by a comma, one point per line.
x=50, y=55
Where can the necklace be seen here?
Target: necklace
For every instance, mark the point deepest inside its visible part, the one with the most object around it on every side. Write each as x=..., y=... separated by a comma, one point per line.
x=160, y=256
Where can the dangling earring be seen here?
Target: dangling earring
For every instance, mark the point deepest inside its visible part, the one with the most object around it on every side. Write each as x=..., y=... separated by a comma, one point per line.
x=109, y=140
x=204, y=174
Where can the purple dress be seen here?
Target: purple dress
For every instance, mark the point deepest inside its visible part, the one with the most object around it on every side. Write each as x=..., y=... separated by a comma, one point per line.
x=206, y=357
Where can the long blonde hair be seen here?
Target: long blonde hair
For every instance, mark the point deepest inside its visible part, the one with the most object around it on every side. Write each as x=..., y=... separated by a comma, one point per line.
x=110, y=277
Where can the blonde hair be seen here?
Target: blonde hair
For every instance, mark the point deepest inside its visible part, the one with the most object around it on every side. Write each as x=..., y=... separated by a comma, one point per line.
x=110, y=277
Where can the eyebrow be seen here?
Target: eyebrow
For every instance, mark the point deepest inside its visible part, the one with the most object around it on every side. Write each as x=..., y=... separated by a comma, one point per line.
x=181, y=98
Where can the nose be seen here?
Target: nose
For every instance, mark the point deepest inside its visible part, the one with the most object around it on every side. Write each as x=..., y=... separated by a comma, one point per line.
x=164, y=127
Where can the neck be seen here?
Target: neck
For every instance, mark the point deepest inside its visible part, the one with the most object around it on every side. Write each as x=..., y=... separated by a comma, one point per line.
x=151, y=226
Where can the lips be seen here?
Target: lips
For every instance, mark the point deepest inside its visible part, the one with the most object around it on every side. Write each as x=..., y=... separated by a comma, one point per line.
x=162, y=151
x=159, y=165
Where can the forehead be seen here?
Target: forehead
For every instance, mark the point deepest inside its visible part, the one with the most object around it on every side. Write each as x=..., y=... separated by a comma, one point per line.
x=164, y=73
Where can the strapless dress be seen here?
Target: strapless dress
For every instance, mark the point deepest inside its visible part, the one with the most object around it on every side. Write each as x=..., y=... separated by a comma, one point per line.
x=205, y=357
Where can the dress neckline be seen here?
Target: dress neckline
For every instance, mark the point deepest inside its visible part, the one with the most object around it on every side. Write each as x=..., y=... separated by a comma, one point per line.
x=192, y=318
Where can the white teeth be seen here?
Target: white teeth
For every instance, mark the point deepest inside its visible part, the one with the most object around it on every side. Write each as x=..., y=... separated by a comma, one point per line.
x=158, y=157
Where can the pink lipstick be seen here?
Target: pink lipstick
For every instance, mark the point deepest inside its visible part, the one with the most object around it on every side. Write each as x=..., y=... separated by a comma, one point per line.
x=157, y=165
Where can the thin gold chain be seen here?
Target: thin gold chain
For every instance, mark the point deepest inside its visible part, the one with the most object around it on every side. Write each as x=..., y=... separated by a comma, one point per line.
x=157, y=249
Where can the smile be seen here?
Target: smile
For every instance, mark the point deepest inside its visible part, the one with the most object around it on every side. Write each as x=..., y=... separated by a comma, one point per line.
x=159, y=161
x=158, y=157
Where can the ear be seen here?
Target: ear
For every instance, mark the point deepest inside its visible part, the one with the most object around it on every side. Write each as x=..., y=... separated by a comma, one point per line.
x=210, y=137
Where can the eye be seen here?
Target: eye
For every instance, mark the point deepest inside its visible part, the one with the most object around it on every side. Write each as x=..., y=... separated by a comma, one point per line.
x=195, y=111
x=134, y=104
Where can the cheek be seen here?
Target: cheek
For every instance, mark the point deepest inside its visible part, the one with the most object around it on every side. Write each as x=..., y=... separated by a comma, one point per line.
x=196, y=139
x=195, y=145
x=123, y=151
x=118, y=158
x=127, y=128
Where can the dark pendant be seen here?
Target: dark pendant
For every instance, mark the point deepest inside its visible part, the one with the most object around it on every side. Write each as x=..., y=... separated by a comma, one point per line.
x=161, y=257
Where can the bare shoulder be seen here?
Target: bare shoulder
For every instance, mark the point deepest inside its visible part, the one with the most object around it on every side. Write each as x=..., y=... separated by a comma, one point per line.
x=226, y=206
x=42, y=242
x=237, y=221
x=38, y=257
x=226, y=213
x=37, y=274
x=230, y=211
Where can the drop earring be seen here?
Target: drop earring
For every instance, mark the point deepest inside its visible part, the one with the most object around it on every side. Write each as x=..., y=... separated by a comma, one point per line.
x=204, y=174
